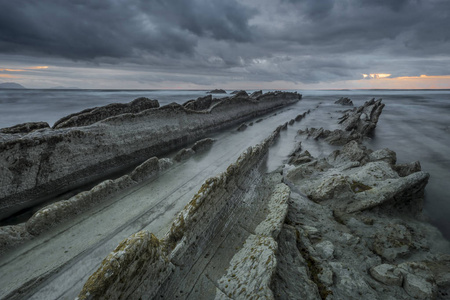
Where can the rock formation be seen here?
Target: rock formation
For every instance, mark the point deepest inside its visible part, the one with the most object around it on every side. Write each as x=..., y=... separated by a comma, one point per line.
x=24, y=128
x=191, y=260
x=349, y=228
x=356, y=125
x=217, y=91
x=344, y=101
x=46, y=162
x=92, y=115
x=360, y=235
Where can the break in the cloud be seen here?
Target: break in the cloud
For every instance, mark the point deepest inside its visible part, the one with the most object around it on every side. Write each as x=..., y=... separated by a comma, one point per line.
x=206, y=43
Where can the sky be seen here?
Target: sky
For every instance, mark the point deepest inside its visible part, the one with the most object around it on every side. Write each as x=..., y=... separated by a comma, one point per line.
x=230, y=44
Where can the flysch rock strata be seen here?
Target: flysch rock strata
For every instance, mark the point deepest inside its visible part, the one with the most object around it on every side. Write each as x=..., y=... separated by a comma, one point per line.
x=356, y=124
x=358, y=235
x=92, y=115
x=61, y=211
x=221, y=245
x=354, y=229
x=46, y=162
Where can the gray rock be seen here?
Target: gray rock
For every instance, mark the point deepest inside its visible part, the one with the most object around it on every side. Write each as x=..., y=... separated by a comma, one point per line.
x=404, y=170
x=217, y=91
x=344, y=101
x=391, y=241
x=256, y=94
x=387, y=274
x=93, y=115
x=203, y=145
x=202, y=103
x=184, y=154
x=46, y=162
x=242, y=127
x=386, y=155
x=325, y=249
x=24, y=128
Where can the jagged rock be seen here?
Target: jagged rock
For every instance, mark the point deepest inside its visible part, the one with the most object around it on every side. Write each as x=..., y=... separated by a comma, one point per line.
x=242, y=127
x=387, y=274
x=298, y=118
x=189, y=261
x=364, y=118
x=296, y=150
x=256, y=94
x=203, y=145
x=441, y=271
x=344, y=101
x=250, y=270
x=419, y=282
x=235, y=92
x=184, y=154
x=357, y=124
x=217, y=91
x=386, y=155
x=93, y=115
x=12, y=235
x=24, y=128
x=292, y=277
x=392, y=241
x=47, y=162
x=404, y=170
x=241, y=94
x=291, y=122
x=138, y=265
x=201, y=103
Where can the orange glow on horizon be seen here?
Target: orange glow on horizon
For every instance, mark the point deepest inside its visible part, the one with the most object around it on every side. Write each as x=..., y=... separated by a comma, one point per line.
x=38, y=68
x=425, y=77
x=8, y=76
x=24, y=70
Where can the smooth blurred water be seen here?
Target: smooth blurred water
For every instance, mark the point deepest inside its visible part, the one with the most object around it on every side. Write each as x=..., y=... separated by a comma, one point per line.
x=414, y=123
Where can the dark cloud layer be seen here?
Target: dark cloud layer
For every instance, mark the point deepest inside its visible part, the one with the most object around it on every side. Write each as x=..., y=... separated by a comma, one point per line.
x=256, y=40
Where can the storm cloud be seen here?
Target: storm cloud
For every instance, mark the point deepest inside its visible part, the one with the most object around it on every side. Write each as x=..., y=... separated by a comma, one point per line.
x=299, y=41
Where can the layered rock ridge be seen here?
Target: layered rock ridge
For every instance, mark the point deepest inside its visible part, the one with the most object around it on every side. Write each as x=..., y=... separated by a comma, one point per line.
x=354, y=226
x=222, y=245
x=356, y=124
x=95, y=143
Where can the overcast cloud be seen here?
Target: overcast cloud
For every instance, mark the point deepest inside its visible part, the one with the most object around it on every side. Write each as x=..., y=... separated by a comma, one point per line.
x=208, y=42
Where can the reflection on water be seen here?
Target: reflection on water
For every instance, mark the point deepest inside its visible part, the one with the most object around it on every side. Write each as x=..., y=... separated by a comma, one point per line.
x=414, y=123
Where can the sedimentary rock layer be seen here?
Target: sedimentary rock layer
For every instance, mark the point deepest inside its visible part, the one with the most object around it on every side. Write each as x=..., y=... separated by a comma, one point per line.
x=357, y=124
x=238, y=209
x=46, y=162
x=361, y=235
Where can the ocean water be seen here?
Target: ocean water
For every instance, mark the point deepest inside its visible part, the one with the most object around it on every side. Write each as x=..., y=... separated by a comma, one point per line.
x=414, y=123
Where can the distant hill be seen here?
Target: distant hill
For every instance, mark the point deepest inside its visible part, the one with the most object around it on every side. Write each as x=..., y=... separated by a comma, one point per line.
x=11, y=85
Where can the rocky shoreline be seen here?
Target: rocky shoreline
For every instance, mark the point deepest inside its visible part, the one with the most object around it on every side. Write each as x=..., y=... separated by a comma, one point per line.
x=347, y=225
x=96, y=143
x=344, y=226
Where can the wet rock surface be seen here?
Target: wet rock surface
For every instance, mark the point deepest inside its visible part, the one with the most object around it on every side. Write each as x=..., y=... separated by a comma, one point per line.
x=93, y=115
x=98, y=142
x=356, y=124
x=346, y=225
x=344, y=101
x=24, y=128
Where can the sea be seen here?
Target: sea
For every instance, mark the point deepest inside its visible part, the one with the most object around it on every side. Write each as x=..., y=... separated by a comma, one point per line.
x=414, y=123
